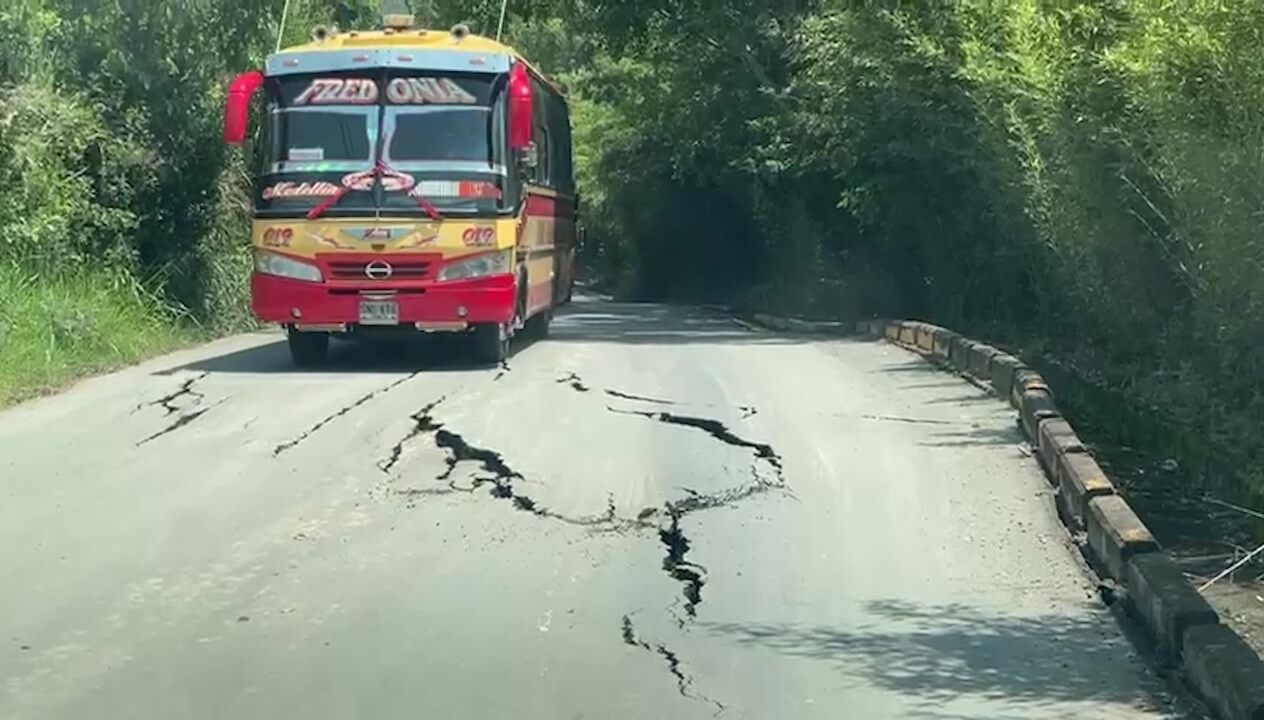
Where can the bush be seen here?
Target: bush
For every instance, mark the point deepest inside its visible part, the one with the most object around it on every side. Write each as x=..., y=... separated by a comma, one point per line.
x=56, y=328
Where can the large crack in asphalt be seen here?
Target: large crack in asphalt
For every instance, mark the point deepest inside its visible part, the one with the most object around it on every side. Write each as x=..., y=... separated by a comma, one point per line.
x=717, y=430
x=495, y=472
x=172, y=405
x=575, y=382
x=692, y=575
x=180, y=422
x=286, y=446
x=501, y=477
x=684, y=683
x=423, y=423
x=168, y=402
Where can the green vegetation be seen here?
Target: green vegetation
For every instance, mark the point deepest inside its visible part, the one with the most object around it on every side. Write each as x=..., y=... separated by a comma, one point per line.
x=1081, y=180
x=64, y=326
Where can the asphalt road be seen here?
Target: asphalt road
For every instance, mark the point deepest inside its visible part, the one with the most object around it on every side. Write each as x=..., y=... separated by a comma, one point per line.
x=654, y=514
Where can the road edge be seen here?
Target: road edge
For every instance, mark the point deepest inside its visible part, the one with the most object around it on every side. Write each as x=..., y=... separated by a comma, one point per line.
x=1216, y=663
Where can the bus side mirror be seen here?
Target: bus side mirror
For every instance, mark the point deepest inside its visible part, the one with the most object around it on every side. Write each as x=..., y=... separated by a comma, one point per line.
x=521, y=108
x=237, y=106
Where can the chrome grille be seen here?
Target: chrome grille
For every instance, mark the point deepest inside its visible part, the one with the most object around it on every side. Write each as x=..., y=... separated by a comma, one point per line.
x=400, y=270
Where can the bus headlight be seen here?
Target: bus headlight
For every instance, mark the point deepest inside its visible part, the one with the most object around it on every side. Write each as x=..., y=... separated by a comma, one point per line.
x=269, y=263
x=493, y=263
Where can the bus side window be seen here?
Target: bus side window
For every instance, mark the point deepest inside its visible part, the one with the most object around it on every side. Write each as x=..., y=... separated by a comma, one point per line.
x=543, y=174
x=563, y=172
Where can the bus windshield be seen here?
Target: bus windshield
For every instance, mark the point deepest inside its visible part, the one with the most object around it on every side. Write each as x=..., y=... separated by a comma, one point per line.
x=441, y=137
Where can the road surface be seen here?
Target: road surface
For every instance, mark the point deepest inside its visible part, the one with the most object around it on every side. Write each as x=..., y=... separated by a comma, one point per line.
x=655, y=514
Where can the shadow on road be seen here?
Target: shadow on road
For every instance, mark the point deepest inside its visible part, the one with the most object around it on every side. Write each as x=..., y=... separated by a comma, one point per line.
x=594, y=321
x=429, y=354
x=584, y=321
x=941, y=653
x=980, y=436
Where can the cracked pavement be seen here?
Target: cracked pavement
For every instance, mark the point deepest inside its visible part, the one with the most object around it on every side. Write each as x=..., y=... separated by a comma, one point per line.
x=654, y=514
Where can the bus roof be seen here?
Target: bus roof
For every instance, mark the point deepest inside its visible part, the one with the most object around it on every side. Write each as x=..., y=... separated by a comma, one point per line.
x=414, y=39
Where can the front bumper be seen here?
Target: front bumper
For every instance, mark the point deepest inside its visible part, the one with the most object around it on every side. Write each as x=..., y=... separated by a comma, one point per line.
x=484, y=300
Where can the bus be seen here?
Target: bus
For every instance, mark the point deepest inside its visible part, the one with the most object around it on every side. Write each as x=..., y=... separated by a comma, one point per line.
x=408, y=180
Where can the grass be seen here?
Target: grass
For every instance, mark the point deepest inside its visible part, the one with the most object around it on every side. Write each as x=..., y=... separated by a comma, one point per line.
x=54, y=330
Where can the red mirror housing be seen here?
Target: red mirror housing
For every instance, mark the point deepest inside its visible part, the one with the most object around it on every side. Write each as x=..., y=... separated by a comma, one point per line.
x=237, y=106
x=521, y=130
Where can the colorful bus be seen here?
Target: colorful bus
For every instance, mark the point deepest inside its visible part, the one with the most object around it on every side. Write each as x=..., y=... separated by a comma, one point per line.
x=408, y=181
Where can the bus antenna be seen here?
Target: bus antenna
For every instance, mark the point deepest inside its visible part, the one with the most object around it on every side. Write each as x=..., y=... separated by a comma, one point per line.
x=500, y=28
x=285, y=11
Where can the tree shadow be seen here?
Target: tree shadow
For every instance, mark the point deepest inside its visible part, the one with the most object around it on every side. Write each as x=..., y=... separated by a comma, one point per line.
x=1007, y=435
x=916, y=365
x=941, y=653
x=594, y=321
x=945, y=384
x=978, y=397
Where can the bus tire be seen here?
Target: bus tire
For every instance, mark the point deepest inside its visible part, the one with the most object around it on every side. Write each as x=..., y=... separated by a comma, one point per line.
x=308, y=349
x=491, y=343
x=538, y=326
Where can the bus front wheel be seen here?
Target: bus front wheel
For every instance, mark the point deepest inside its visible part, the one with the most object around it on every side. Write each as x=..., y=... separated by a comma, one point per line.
x=308, y=349
x=537, y=327
x=491, y=343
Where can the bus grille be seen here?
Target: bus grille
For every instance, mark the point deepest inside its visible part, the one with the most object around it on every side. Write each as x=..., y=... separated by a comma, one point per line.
x=359, y=270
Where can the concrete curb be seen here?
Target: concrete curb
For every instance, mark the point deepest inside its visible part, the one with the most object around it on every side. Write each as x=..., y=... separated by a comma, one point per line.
x=1034, y=407
x=1165, y=601
x=1004, y=368
x=1055, y=440
x=943, y=343
x=926, y=337
x=1116, y=534
x=1225, y=671
x=980, y=363
x=1079, y=479
x=1218, y=665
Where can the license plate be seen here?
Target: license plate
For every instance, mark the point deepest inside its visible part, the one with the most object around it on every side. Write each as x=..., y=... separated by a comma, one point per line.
x=379, y=312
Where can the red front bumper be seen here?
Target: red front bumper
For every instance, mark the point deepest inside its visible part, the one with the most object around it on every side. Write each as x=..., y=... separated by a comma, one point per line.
x=485, y=300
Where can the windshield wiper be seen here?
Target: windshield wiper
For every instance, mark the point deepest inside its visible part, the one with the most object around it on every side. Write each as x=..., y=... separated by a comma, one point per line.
x=332, y=200
x=376, y=173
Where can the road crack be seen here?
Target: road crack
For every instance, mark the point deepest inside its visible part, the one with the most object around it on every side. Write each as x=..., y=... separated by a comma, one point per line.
x=181, y=421
x=423, y=423
x=717, y=430
x=495, y=472
x=684, y=682
x=575, y=382
x=638, y=398
x=284, y=447
x=167, y=402
x=691, y=575
x=501, y=478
